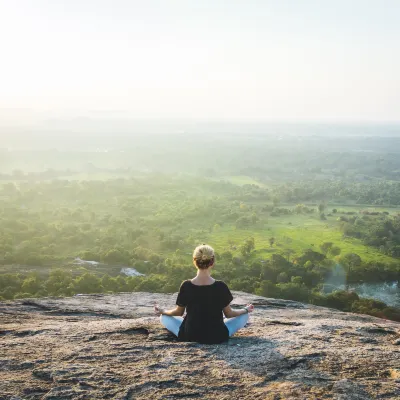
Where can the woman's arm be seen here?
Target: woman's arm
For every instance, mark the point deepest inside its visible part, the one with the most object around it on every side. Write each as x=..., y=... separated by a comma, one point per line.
x=175, y=312
x=229, y=313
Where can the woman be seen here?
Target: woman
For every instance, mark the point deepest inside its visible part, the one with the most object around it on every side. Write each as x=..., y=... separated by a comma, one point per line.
x=204, y=299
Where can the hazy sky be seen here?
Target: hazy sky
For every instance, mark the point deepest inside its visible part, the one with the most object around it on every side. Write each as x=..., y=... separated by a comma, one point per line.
x=231, y=59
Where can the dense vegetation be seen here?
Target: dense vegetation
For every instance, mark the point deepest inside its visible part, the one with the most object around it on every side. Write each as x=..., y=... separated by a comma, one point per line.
x=296, y=217
x=152, y=222
x=60, y=282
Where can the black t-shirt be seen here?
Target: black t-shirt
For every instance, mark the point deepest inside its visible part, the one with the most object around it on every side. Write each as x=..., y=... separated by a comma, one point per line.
x=204, y=321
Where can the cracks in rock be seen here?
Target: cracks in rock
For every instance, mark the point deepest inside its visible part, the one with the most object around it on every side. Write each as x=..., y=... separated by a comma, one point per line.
x=86, y=314
x=23, y=333
x=147, y=386
x=14, y=365
x=129, y=331
x=277, y=322
x=37, y=392
x=184, y=395
x=133, y=331
x=164, y=336
x=43, y=374
x=377, y=330
x=275, y=304
x=32, y=303
x=294, y=366
x=49, y=310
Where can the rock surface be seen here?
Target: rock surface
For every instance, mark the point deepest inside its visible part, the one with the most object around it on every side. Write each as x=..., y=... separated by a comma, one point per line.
x=113, y=347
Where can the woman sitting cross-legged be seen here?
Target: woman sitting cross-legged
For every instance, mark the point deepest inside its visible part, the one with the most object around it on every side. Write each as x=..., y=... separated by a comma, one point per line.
x=204, y=299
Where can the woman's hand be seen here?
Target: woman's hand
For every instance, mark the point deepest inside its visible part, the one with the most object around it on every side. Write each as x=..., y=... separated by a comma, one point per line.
x=158, y=310
x=249, y=308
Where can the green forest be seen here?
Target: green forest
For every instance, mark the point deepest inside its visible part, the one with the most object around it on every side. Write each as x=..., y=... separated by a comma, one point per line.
x=289, y=240
x=303, y=216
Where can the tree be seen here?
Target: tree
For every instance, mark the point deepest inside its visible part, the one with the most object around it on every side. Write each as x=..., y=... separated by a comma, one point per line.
x=297, y=280
x=153, y=283
x=216, y=227
x=113, y=256
x=335, y=251
x=244, y=284
x=90, y=255
x=308, y=264
x=243, y=222
x=280, y=263
x=321, y=207
x=21, y=295
x=226, y=255
x=310, y=255
x=268, y=273
x=255, y=269
x=341, y=300
x=276, y=200
x=109, y=284
x=271, y=241
x=59, y=282
x=282, y=278
x=8, y=293
x=31, y=285
x=122, y=286
x=247, y=246
x=87, y=283
x=351, y=261
x=288, y=253
x=243, y=206
x=293, y=291
x=326, y=247
x=267, y=289
x=12, y=281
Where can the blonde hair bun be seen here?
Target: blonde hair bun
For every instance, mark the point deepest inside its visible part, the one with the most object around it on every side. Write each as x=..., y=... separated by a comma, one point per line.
x=203, y=256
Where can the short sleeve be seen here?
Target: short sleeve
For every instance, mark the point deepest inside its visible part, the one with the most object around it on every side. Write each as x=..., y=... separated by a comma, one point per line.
x=182, y=299
x=226, y=295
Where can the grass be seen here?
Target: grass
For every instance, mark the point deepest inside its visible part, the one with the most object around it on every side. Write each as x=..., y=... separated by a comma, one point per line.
x=296, y=233
x=94, y=176
x=357, y=208
x=240, y=180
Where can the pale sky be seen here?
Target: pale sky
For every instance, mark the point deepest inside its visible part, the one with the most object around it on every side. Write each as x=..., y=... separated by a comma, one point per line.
x=232, y=59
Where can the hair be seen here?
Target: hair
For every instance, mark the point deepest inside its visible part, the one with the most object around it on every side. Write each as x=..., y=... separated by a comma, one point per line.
x=203, y=256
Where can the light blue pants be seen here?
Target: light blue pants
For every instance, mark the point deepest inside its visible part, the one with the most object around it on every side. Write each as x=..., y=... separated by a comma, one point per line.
x=233, y=324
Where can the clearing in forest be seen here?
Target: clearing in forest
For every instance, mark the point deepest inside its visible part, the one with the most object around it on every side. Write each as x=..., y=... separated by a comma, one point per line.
x=292, y=235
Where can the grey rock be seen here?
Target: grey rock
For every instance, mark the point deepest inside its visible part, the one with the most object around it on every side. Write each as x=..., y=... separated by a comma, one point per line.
x=113, y=346
x=368, y=340
x=347, y=390
x=42, y=374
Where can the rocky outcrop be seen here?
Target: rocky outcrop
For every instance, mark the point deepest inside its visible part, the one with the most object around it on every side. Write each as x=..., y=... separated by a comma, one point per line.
x=113, y=347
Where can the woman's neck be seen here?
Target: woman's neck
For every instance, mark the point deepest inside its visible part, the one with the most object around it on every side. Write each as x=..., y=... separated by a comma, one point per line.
x=203, y=273
x=203, y=277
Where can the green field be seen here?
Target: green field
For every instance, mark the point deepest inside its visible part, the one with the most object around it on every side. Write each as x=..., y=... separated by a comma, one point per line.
x=295, y=233
x=162, y=214
x=240, y=180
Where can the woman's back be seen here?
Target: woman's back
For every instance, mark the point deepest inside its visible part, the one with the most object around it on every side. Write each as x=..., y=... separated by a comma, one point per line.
x=204, y=300
x=204, y=319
